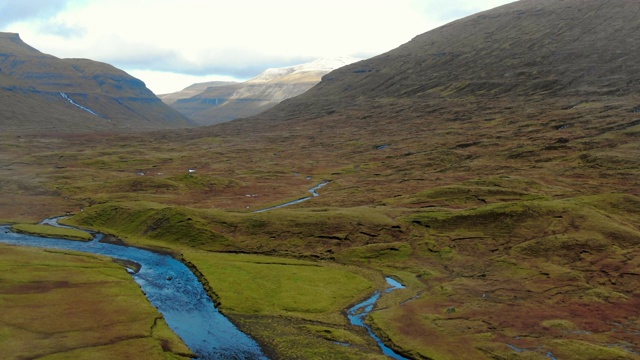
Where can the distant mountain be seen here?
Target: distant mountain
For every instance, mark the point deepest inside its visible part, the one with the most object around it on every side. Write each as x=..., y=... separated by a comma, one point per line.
x=220, y=102
x=40, y=92
x=193, y=90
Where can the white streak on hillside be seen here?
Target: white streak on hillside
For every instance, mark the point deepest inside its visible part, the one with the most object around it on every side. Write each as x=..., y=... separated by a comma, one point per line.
x=78, y=105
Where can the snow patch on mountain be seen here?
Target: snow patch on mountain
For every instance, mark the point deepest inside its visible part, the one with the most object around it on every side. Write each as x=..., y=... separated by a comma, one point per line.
x=322, y=65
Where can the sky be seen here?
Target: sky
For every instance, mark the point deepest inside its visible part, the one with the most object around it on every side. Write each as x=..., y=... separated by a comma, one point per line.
x=170, y=44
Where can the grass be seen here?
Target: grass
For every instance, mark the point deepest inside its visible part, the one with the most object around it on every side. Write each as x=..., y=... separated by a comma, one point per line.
x=69, y=305
x=292, y=307
x=336, y=334
x=292, y=340
x=453, y=250
x=152, y=223
x=329, y=229
x=385, y=253
x=52, y=232
x=450, y=249
x=265, y=285
x=583, y=350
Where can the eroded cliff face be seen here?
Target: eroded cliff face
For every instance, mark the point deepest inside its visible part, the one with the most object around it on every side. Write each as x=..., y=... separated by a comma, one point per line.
x=42, y=92
x=225, y=102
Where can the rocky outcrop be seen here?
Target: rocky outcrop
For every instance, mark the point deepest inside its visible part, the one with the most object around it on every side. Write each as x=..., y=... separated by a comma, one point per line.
x=41, y=92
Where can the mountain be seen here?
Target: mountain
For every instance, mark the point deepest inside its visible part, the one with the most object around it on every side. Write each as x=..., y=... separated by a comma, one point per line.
x=550, y=48
x=221, y=102
x=39, y=92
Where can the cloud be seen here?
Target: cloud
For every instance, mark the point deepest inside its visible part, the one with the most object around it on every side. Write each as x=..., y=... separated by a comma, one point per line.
x=62, y=30
x=166, y=82
x=449, y=10
x=12, y=11
x=196, y=36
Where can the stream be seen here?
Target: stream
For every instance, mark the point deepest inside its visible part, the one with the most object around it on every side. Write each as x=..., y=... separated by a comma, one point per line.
x=298, y=201
x=172, y=288
x=360, y=311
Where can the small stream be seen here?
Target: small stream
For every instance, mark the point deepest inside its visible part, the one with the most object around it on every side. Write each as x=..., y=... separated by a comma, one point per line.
x=172, y=288
x=360, y=311
x=298, y=201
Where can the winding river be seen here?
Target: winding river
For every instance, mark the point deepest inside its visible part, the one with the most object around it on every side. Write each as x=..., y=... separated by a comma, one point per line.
x=172, y=288
x=178, y=294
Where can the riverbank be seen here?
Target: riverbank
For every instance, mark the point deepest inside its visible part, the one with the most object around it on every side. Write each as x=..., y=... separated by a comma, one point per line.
x=293, y=308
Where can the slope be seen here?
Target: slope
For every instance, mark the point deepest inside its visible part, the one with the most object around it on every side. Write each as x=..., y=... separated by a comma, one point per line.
x=43, y=93
x=506, y=146
x=525, y=48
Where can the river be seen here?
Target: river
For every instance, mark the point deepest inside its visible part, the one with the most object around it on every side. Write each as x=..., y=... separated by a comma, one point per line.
x=173, y=289
x=178, y=294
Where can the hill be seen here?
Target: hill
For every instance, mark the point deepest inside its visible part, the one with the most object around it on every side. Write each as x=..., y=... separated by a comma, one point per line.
x=521, y=49
x=220, y=102
x=40, y=92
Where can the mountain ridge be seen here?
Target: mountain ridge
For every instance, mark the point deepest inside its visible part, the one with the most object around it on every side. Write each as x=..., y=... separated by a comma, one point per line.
x=74, y=94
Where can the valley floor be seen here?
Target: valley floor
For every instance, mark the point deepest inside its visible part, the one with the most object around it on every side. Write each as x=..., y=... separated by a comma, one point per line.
x=515, y=227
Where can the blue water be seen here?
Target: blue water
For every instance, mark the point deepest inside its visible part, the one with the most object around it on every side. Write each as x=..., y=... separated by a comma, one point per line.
x=173, y=289
x=359, y=312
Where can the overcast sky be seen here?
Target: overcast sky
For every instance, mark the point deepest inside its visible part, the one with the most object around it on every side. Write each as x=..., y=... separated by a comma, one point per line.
x=170, y=44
